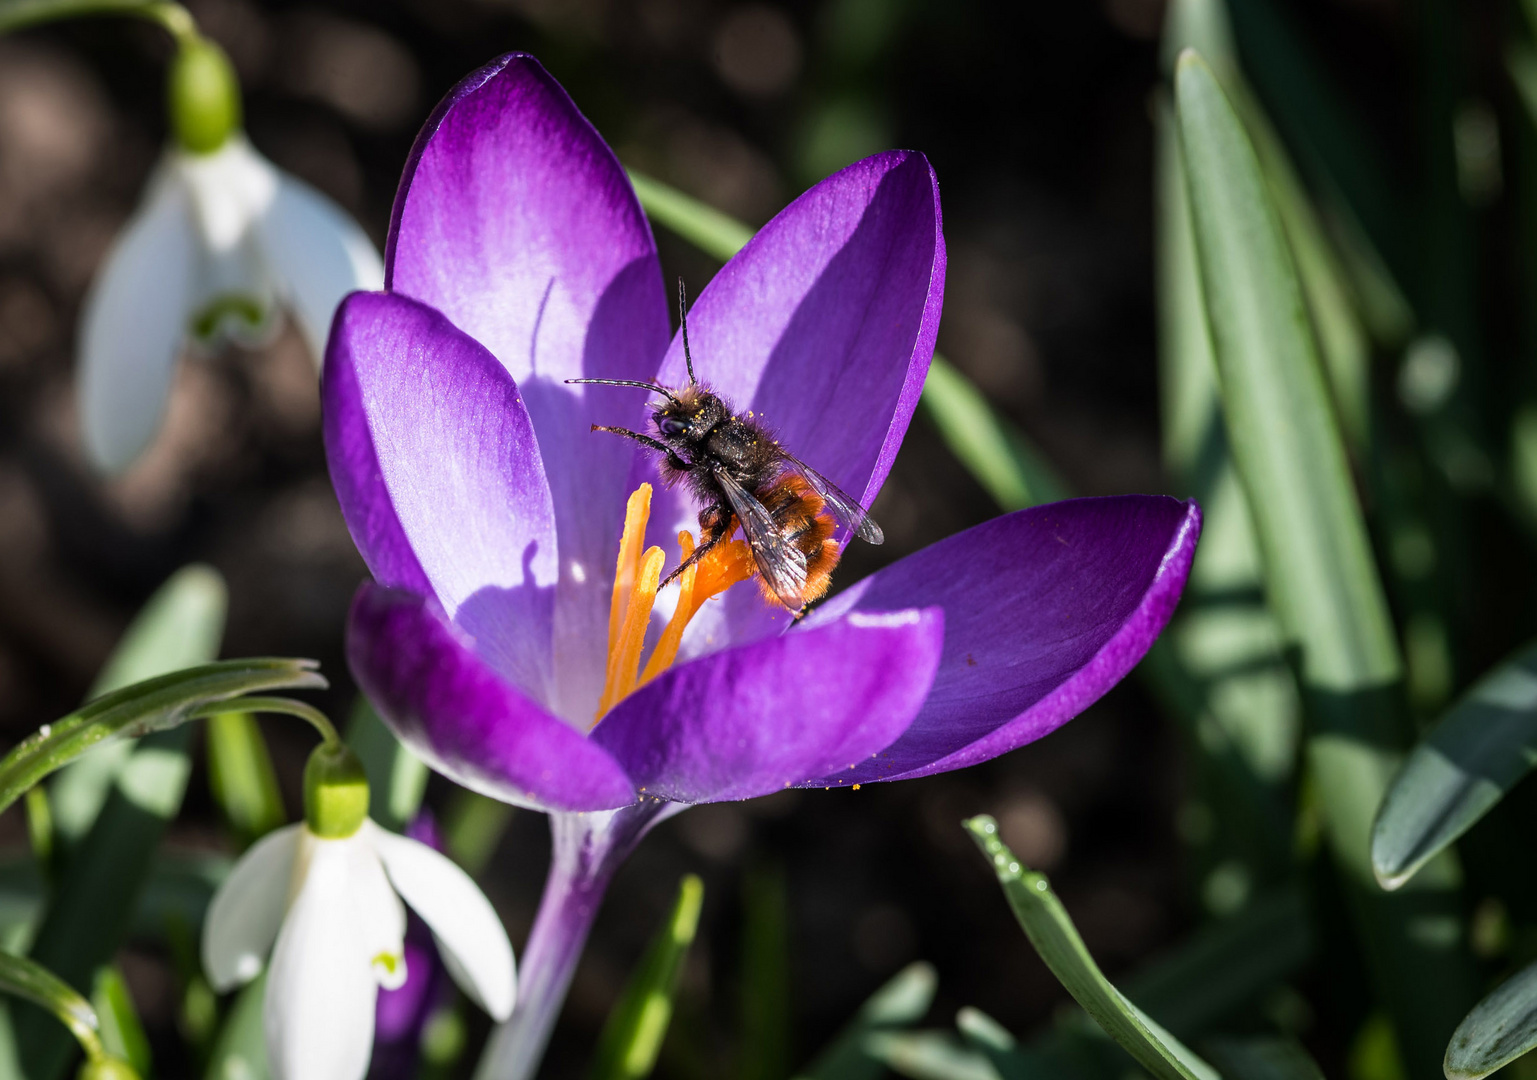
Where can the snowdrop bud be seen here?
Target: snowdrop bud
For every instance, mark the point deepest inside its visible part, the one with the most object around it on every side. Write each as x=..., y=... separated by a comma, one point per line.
x=204, y=96
x=106, y=1068
x=335, y=792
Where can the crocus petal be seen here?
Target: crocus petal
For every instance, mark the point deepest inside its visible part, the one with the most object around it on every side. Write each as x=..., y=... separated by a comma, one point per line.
x=319, y=1007
x=465, y=720
x=439, y=477
x=243, y=919
x=1045, y=610
x=470, y=936
x=516, y=221
x=134, y=322
x=319, y=255
x=755, y=719
x=823, y=326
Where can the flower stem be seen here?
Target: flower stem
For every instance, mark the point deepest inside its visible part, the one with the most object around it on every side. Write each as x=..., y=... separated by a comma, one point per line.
x=586, y=849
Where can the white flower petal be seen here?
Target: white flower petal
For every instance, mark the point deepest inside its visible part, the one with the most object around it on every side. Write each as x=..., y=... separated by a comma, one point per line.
x=318, y=253
x=245, y=914
x=235, y=295
x=380, y=914
x=319, y=1008
x=470, y=936
x=133, y=324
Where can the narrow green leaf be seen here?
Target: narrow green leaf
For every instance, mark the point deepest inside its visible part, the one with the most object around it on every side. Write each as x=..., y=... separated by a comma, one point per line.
x=40, y=826
x=1500, y=1029
x=633, y=1035
x=158, y=704
x=1265, y=1058
x=901, y=1001
x=764, y=1049
x=241, y=775
x=1050, y=929
x=122, y=1032
x=1521, y=63
x=1320, y=576
x=397, y=778
x=1009, y=1059
x=240, y=1052
x=1324, y=583
x=992, y=448
x=180, y=626
x=1484, y=744
x=33, y=982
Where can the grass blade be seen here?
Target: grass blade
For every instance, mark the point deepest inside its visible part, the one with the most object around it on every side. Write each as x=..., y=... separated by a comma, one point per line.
x=764, y=1051
x=33, y=982
x=122, y=1032
x=397, y=778
x=1050, y=929
x=712, y=232
x=1478, y=751
x=633, y=1035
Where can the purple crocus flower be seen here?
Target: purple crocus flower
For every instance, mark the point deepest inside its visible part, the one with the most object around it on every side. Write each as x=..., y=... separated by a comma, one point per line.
x=494, y=632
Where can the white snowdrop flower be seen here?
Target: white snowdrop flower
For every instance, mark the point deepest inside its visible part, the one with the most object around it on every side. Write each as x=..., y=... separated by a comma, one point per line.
x=222, y=239
x=328, y=893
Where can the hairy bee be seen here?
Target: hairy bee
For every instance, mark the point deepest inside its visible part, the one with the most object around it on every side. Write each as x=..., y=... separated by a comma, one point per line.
x=741, y=476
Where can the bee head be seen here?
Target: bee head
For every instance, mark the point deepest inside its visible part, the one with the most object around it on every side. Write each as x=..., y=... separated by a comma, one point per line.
x=690, y=415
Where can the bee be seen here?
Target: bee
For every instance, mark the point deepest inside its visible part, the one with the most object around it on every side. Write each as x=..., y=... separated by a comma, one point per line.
x=742, y=476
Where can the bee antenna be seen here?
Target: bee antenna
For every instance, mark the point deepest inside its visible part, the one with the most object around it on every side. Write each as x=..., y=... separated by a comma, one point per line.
x=683, y=321
x=655, y=388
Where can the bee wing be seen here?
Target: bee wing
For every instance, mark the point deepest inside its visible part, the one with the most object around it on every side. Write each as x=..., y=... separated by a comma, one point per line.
x=782, y=564
x=843, y=506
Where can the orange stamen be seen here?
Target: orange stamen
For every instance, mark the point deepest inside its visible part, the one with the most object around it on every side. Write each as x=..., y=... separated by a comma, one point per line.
x=635, y=585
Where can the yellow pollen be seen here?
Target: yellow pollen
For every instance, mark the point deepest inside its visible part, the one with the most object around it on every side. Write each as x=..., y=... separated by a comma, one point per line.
x=635, y=584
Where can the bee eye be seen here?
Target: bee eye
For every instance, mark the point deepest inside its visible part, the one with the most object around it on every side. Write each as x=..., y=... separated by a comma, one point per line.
x=671, y=427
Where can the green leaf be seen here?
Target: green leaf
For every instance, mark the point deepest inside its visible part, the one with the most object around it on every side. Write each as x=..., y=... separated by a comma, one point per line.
x=1324, y=582
x=1478, y=751
x=1500, y=1029
x=472, y=827
x=1262, y=1059
x=397, y=778
x=901, y=1001
x=992, y=448
x=158, y=704
x=1320, y=577
x=19, y=14
x=179, y=626
x=1049, y=928
x=242, y=778
x=712, y=232
x=122, y=1032
x=633, y=1035
x=764, y=1049
x=240, y=1052
x=33, y=982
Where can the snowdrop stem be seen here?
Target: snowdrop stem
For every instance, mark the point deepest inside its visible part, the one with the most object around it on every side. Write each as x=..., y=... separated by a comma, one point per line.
x=286, y=706
x=586, y=851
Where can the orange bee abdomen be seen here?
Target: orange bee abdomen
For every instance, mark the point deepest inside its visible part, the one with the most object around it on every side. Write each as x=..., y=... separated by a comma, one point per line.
x=802, y=519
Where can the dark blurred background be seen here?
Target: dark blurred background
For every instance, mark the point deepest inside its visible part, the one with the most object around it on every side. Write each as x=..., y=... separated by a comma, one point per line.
x=1036, y=117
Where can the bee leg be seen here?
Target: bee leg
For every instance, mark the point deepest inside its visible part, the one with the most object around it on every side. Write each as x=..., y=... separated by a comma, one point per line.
x=699, y=552
x=646, y=440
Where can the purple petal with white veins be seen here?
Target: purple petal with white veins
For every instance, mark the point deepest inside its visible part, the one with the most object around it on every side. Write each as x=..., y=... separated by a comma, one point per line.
x=1045, y=610
x=439, y=477
x=823, y=326
x=762, y=717
x=465, y=720
x=516, y=221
